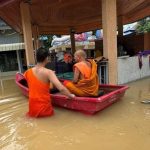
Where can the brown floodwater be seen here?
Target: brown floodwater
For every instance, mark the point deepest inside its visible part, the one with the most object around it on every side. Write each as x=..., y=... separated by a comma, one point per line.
x=124, y=125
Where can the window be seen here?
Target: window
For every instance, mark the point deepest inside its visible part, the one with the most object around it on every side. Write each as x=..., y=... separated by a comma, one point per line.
x=8, y=61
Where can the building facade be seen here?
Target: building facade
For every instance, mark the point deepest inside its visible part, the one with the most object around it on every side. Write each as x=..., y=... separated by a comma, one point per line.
x=12, y=53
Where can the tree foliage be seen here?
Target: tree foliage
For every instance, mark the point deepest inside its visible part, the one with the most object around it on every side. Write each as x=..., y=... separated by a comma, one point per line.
x=143, y=26
x=47, y=39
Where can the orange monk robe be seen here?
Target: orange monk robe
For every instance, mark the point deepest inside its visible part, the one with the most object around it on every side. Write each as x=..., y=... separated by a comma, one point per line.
x=89, y=85
x=39, y=96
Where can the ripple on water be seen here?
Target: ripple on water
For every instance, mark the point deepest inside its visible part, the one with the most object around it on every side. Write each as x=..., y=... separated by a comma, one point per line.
x=147, y=113
x=115, y=124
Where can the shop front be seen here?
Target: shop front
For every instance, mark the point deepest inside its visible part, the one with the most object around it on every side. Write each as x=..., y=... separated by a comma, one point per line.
x=11, y=58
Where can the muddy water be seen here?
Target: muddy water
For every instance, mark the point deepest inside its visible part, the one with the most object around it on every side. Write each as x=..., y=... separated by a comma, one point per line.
x=123, y=126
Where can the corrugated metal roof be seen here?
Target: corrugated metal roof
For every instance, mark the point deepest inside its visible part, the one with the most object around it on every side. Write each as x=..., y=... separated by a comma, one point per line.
x=12, y=37
x=13, y=46
x=2, y=23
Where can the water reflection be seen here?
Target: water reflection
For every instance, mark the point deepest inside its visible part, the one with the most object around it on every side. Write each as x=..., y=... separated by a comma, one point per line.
x=116, y=127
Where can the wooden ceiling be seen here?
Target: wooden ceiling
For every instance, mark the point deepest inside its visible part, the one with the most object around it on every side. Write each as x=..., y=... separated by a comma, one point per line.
x=60, y=16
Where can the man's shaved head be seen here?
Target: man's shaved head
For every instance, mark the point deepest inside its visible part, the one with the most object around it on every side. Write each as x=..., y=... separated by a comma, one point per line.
x=80, y=53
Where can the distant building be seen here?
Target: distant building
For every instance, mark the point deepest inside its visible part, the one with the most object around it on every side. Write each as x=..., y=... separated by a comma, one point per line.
x=12, y=53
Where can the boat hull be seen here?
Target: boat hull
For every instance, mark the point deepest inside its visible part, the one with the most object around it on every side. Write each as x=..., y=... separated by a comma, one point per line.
x=89, y=105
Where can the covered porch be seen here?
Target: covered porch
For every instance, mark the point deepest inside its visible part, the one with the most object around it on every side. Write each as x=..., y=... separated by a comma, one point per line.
x=33, y=18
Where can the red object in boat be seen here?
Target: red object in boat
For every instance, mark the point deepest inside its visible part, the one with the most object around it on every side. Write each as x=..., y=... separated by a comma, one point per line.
x=89, y=105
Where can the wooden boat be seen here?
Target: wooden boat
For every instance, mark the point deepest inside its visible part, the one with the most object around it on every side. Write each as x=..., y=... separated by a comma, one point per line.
x=89, y=105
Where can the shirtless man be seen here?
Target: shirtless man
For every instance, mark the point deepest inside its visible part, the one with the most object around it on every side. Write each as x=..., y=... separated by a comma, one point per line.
x=39, y=79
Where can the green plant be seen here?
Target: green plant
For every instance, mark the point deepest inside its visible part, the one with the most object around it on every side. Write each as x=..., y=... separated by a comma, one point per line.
x=143, y=25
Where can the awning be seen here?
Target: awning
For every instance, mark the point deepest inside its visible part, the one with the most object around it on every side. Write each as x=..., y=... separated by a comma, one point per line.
x=12, y=47
x=79, y=45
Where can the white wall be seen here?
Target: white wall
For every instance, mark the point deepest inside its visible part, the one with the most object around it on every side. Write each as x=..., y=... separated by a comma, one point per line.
x=128, y=69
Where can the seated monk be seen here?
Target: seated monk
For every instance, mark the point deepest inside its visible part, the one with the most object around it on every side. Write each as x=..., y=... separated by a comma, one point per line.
x=85, y=81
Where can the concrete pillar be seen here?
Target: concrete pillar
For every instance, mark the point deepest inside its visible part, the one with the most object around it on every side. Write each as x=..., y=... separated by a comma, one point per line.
x=20, y=66
x=120, y=26
x=73, y=47
x=109, y=21
x=35, y=31
x=27, y=32
x=147, y=41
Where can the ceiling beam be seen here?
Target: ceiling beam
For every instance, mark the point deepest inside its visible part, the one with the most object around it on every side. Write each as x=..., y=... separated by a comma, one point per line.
x=4, y=3
x=138, y=15
x=129, y=5
x=66, y=29
x=10, y=20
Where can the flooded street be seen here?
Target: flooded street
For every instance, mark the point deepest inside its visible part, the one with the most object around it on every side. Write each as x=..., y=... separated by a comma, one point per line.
x=124, y=125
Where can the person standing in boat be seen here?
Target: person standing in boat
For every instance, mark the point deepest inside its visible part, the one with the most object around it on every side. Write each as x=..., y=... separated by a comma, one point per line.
x=85, y=81
x=39, y=79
